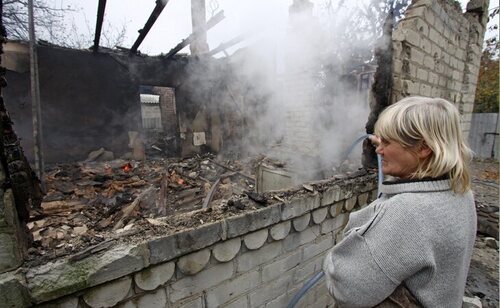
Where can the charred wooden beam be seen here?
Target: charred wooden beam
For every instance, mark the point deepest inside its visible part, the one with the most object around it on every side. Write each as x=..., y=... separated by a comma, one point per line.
x=232, y=170
x=17, y=178
x=98, y=24
x=35, y=98
x=381, y=89
x=198, y=21
x=210, y=24
x=160, y=5
x=210, y=194
x=226, y=45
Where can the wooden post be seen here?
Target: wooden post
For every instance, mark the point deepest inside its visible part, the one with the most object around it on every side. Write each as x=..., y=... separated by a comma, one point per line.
x=35, y=99
x=199, y=20
x=98, y=24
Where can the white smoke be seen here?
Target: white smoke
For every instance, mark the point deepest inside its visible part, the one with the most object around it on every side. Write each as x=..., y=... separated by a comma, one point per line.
x=304, y=105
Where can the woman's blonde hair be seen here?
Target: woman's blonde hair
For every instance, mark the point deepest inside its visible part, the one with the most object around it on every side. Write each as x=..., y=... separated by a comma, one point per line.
x=435, y=122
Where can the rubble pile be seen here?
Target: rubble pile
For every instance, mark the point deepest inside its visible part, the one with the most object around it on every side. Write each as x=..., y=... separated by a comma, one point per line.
x=90, y=203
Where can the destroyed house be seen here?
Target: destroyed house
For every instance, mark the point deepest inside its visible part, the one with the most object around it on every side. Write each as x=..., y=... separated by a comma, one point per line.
x=186, y=181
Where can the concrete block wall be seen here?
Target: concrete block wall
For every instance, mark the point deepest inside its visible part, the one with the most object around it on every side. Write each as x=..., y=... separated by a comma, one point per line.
x=437, y=52
x=257, y=259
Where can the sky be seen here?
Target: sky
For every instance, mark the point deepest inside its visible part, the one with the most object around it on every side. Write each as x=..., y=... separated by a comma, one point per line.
x=174, y=24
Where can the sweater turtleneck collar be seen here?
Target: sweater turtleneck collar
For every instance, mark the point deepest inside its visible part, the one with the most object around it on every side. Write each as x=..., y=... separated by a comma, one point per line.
x=416, y=185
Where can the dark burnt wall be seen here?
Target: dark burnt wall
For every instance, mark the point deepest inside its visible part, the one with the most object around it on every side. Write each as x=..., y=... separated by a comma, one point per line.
x=91, y=100
x=88, y=101
x=17, y=102
x=203, y=105
x=157, y=71
x=199, y=91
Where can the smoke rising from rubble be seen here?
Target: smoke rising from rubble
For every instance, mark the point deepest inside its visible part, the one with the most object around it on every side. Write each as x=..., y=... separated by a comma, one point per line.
x=302, y=104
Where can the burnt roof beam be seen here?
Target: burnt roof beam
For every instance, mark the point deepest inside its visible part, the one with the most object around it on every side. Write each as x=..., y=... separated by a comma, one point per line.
x=227, y=45
x=98, y=24
x=210, y=24
x=160, y=4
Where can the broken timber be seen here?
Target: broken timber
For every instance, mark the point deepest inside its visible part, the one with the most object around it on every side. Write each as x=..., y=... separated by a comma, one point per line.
x=232, y=170
x=210, y=24
x=226, y=45
x=98, y=24
x=160, y=5
x=92, y=250
x=210, y=194
x=129, y=209
x=35, y=99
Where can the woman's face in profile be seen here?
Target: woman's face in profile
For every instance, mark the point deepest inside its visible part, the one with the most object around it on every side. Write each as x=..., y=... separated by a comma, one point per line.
x=397, y=160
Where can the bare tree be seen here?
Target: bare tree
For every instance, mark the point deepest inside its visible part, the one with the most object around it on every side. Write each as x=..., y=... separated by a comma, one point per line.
x=52, y=25
x=491, y=43
x=83, y=37
x=15, y=17
x=354, y=30
x=355, y=39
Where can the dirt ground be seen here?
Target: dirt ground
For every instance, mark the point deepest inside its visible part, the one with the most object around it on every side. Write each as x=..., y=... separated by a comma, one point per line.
x=482, y=281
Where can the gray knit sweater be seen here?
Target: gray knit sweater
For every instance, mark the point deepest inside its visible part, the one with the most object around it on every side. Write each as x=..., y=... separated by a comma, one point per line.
x=419, y=233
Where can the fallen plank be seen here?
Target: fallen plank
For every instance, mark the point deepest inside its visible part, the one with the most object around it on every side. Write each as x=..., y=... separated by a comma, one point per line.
x=210, y=194
x=91, y=250
x=127, y=210
x=232, y=170
x=161, y=199
x=187, y=193
x=54, y=207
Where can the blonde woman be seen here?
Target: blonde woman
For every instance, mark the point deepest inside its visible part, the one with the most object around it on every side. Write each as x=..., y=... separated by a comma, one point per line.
x=419, y=234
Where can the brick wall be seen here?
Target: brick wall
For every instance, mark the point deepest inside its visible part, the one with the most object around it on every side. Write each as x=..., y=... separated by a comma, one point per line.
x=167, y=108
x=437, y=52
x=257, y=259
x=300, y=102
x=300, y=117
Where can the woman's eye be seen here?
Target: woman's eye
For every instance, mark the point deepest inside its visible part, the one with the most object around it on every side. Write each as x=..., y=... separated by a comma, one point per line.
x=384, y=141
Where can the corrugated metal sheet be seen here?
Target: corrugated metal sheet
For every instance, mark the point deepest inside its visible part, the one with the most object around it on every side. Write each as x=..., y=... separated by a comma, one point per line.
x=150, y=99
x=151, y=123
x=483, y=136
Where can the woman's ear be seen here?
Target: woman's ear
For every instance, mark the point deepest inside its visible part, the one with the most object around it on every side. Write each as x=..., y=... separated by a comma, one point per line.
x=424, y=151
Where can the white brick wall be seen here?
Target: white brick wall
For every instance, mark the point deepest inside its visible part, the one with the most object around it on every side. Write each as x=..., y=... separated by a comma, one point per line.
x=442, y=56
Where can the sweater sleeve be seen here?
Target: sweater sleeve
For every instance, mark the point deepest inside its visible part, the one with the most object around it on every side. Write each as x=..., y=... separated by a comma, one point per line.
x=372, y=260
x=353, y=277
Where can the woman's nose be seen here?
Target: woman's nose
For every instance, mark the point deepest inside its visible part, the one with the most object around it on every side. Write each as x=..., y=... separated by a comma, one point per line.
x=379, y=149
